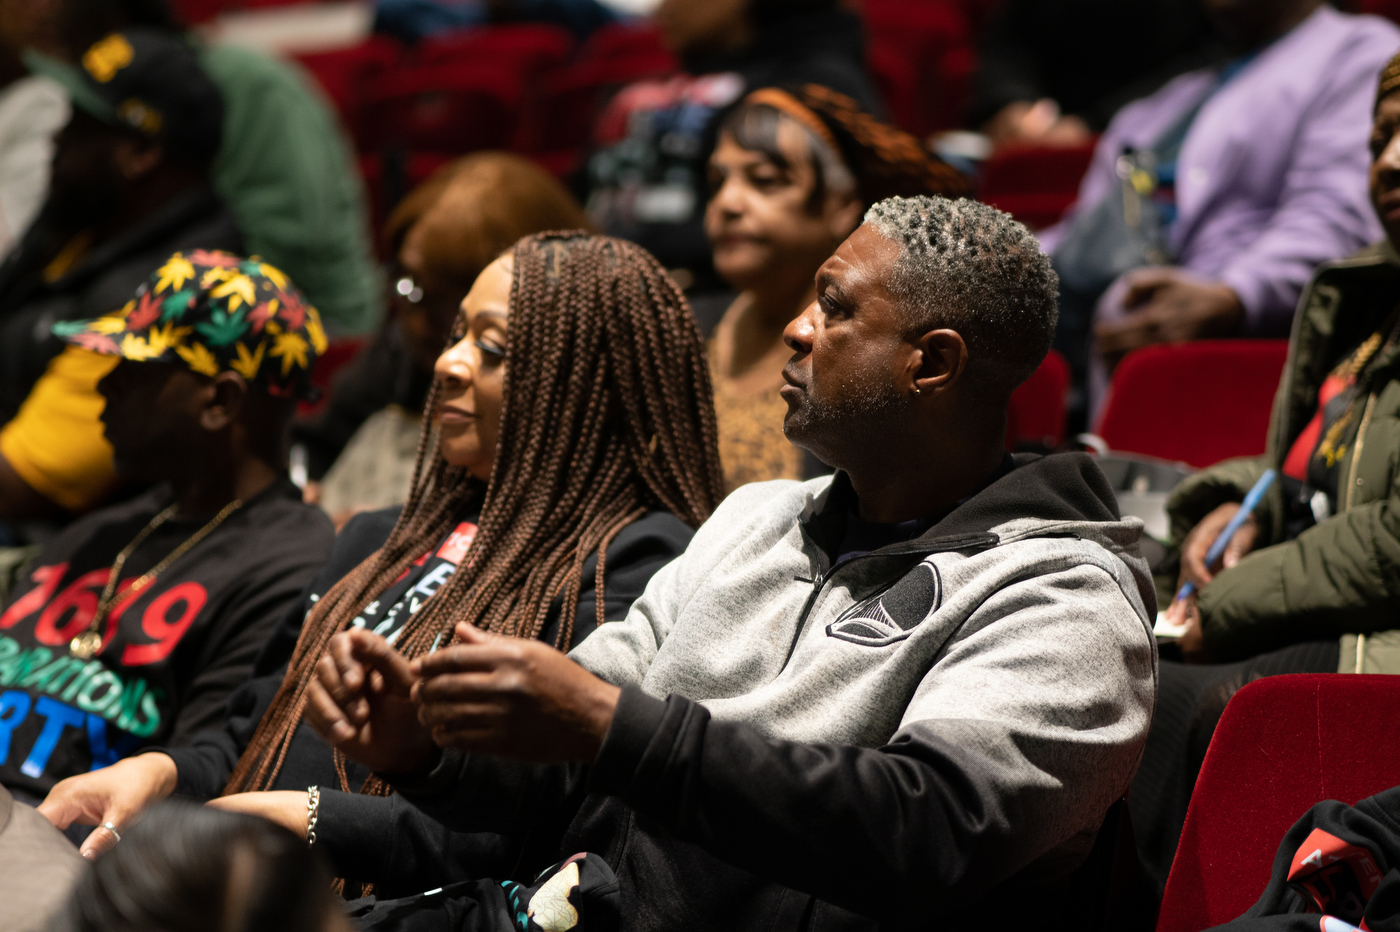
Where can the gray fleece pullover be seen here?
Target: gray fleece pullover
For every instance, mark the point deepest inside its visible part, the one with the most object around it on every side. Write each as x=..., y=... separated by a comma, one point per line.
x=925, y=726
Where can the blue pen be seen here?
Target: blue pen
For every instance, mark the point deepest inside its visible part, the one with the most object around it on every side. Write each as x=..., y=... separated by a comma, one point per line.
x=1251, y=501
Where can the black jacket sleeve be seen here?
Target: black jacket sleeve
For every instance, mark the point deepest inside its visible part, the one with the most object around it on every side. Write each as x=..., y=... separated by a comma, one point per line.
x=357, y=830
x=206, y=758
x=412, y=851
x=205, y=763
x=228, y=656
x=753, y=802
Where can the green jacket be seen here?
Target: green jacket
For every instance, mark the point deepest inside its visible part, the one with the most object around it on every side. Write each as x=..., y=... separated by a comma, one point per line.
x=287, y=174
x=1341, y=577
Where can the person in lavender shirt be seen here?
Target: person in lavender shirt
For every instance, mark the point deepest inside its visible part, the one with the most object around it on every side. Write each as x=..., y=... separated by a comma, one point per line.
x=1260, y=175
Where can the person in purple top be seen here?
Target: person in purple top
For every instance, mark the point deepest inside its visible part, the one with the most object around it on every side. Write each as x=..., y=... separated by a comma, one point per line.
x=1235, y=182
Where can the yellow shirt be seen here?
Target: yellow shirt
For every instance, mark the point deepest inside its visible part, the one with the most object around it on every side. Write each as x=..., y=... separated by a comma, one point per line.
x=55, y=442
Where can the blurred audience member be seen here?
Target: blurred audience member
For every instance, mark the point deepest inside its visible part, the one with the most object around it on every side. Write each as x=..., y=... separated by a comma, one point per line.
x=571, y=455
x=189, y=868
x=1307, y=584
x=647, y=180
x=134, y=624
x=41, y=866
x=1054, y=72
x=130, y=186
x=444, y=233
x=792, y=174
x=1209, y=203
x=32, y=111
x=285, y=168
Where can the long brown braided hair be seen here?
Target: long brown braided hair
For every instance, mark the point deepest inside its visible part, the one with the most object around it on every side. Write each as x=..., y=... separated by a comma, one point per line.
x=607, y=413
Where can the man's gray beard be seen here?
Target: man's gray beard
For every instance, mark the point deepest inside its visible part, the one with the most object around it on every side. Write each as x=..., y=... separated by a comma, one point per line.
x=831, y=431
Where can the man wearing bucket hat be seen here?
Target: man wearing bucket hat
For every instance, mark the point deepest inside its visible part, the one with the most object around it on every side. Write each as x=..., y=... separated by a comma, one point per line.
x=133, y=625
x=130, y=186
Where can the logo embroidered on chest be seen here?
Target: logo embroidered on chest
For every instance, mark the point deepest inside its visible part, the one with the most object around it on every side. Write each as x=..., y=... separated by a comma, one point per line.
x=890, y=616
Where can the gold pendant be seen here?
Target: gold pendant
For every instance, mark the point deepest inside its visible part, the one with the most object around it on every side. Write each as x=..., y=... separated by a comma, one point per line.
x=86, y=645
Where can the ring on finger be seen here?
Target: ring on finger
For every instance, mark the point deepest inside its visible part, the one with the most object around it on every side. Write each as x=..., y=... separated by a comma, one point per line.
x=111, y=827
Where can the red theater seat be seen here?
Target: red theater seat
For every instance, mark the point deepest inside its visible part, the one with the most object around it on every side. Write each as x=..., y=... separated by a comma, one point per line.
x=344, y=74
x=574, y=97
x=1390, y=9
x=528, y=49
x=1284, y=744
x=921, y=53
x=1198, y=403
x=1036, y=415
x=1034, y=184
x=624, y=40
x=451, y=108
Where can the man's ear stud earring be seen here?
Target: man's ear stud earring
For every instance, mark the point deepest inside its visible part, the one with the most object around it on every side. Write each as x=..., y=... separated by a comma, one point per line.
x=917, y=390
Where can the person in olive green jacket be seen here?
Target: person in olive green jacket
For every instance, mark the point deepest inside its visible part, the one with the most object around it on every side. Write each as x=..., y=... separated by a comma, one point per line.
x=1311, y=583
x=1320, y=557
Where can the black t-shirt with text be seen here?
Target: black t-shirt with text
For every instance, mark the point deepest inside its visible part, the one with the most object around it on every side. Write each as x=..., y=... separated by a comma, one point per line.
x=170, y=656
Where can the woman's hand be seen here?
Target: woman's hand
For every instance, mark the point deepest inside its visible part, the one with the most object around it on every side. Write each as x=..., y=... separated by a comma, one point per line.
x=115, y=794
x=286, y=808
x=514, y=698
x=359, y=702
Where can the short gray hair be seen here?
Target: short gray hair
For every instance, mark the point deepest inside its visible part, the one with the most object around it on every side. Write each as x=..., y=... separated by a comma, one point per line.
x=971, y=268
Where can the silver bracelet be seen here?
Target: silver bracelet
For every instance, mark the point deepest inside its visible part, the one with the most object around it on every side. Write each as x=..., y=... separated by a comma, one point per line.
x=313, y=812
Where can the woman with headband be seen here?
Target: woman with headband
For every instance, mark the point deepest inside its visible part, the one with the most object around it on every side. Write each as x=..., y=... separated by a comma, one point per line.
x=792, y=174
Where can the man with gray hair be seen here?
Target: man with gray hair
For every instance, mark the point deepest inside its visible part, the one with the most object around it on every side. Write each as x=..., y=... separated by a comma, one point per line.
x=907, y=693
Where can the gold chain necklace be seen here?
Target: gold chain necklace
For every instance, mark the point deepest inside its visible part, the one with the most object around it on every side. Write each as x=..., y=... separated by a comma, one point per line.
x=87, y=644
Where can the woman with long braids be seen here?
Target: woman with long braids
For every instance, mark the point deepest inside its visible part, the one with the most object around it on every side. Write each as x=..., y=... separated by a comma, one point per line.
x=568, y=452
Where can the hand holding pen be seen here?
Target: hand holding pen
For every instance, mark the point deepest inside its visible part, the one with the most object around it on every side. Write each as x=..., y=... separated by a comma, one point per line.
x=1225, y=535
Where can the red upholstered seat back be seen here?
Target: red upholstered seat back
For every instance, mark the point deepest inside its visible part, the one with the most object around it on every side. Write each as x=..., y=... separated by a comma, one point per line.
x=345, y=73
x=1198, y=403
x=526, y=48
x=1034, y=184
x=450, y=108
x=1036, y=413
x=921, y=54
x=1284, y=744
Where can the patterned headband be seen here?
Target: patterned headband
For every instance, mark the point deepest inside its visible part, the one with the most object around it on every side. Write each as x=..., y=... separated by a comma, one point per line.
x=789, y=105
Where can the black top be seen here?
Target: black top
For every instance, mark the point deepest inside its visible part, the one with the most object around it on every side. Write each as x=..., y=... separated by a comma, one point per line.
x=179, y=648
x=384, y=839
x=1091, y=56
x=860, y=536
